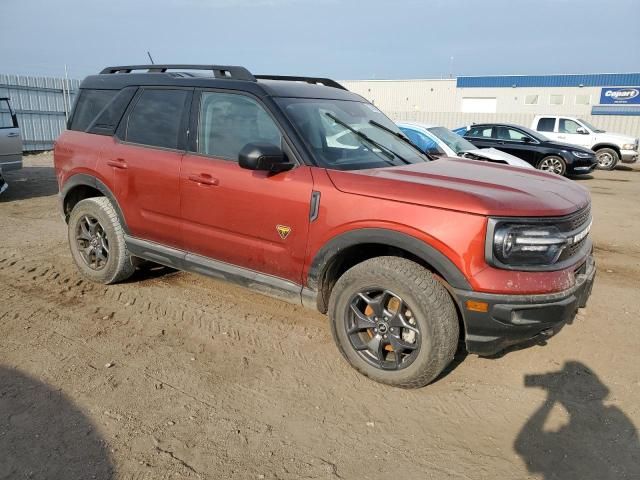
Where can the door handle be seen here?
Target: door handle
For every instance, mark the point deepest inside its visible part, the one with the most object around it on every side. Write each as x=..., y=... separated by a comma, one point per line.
x=118, y=163
x=500, y=143
x=204, y=179
x=13, y=134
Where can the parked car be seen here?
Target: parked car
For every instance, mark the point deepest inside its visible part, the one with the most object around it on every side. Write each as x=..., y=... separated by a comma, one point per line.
x=610, y=148
x=10, y=139
x=440, y=141
x=532, y=147
x=232, y=176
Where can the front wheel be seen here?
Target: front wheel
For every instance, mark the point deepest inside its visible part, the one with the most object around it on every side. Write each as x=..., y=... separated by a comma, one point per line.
x=394, y=322
x=553, y=164
x=96, y=239
x=607, y=159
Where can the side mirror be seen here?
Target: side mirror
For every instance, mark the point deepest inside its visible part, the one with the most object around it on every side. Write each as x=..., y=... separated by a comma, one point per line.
x=263, y=156
x=582, y=131
x=526, y=139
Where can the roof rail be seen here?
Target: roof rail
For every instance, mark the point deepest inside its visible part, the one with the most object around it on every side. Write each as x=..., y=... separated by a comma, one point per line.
x=327, y=82
x=219, y=71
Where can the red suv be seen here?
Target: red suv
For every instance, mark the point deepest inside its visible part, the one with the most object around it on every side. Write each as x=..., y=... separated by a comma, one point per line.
x=298, y=188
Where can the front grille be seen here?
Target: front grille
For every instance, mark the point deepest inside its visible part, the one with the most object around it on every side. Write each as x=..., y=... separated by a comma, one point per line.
x=571, y=223
x=575, y=220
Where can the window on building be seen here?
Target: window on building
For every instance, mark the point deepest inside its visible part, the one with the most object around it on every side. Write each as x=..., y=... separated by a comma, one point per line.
x=228, y=122
x=556, y=99
x=546, y=124
x=156, y=118
x=583, y=99
x=479, y=105
x=531, y=99
x=567, y=126
x=89, y=104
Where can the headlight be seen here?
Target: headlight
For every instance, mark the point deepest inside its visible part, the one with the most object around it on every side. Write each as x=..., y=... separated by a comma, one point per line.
x=522, y=245
x=628, y=146
x=581, y=154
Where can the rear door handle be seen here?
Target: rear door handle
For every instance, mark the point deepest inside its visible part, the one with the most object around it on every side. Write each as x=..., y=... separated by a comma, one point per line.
x=203, y=179
x=13, y=134
x=118, y=163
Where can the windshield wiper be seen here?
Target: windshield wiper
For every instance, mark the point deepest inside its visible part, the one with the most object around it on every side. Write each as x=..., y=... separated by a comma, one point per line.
x=390, y=154
x=402, y=137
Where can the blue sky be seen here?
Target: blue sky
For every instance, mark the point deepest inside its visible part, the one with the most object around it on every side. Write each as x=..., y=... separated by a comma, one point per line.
x=340, y=39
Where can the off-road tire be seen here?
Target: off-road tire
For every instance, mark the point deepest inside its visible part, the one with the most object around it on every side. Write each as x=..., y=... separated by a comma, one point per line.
x=555, y=159
x=119, y=265
x=433, y=309
x=611, y=157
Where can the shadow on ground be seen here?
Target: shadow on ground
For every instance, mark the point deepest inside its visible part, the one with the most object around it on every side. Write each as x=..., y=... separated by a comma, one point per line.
x=598, y=442
x=29, y=182
x=43, y=435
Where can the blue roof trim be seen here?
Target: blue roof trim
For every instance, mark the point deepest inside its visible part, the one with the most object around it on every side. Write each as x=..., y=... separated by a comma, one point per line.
x=586, y=80
x=626, y=110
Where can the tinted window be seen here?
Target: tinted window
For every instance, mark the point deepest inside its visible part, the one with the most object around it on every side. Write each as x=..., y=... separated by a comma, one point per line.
x=156, y=118
x=546, y=124
x=6, y=121
x=228, y=122
x=108, y=119
x=479, y=132
x=568, y=126
x=504, y=133
x=89, y=104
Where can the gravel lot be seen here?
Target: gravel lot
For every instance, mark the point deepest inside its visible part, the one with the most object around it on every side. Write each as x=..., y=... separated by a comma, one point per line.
x=172, y=375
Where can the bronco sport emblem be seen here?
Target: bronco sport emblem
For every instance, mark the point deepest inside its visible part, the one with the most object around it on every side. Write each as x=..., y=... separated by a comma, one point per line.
x=283, y=231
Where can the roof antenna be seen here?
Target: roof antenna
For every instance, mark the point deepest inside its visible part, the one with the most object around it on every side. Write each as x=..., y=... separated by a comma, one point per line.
x=150, y=58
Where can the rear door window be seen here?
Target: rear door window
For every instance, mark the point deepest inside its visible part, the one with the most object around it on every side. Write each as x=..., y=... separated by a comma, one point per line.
x=89, y=104
x=546, y=124
x=157, y=118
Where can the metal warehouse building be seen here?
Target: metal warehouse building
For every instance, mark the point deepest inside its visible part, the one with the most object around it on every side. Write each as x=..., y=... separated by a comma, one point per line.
x=604, y=99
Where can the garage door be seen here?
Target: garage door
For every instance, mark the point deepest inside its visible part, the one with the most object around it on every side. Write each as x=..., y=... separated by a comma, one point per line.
x=479, y=105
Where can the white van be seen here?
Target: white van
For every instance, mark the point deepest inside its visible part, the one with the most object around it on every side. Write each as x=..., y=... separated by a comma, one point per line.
x=10, y=139
x=610, y=148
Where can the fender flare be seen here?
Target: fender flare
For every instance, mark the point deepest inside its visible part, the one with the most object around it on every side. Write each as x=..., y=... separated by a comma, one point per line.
x=612, y=146
x=80, y=179
x=445, y=267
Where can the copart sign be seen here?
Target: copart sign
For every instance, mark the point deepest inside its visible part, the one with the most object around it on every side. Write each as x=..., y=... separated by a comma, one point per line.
x=620, y=96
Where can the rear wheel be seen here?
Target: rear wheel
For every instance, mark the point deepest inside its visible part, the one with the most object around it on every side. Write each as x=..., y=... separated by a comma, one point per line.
x=96, y=240
x=553, y=164
x=607, y=158
x=394, y=322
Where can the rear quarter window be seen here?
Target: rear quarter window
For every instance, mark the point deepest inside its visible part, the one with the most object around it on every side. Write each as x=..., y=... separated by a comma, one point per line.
x=546, y=124
x=89, y=104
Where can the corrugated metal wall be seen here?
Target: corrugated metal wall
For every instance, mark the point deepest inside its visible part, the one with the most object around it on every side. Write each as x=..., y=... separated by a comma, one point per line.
x=439, y=102
x=41, y=104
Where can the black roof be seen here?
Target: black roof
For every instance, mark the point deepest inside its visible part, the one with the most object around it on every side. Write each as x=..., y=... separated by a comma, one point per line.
x=224, y=77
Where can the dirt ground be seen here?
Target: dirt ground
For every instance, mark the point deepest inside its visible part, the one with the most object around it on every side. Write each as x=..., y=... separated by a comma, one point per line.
x=177, y=376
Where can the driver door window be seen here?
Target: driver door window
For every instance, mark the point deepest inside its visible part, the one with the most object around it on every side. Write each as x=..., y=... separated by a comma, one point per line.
x=568, y=126
x=228, y=122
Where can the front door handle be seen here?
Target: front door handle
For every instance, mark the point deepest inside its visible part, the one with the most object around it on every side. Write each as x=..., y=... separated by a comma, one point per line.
x=13, y=134
x=203, y=179
x=118, y=163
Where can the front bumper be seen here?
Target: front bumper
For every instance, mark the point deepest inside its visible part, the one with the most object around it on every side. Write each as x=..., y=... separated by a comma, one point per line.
x=629, y=156
x=515, y=319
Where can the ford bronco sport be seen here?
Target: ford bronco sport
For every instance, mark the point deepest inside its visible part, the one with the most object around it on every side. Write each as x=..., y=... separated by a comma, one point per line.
x=236, y=176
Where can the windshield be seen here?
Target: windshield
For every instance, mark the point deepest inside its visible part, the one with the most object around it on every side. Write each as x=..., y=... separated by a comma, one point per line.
x=591, y=127
x=341, y=136
x=454, y=141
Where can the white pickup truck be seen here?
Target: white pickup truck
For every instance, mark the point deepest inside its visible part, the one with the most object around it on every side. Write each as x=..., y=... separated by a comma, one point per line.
x=610, y=148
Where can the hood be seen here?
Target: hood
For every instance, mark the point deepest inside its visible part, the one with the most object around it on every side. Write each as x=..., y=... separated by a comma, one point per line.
x=475, y=187
x=499, y=156
x=616, y=138
x=566, y=146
